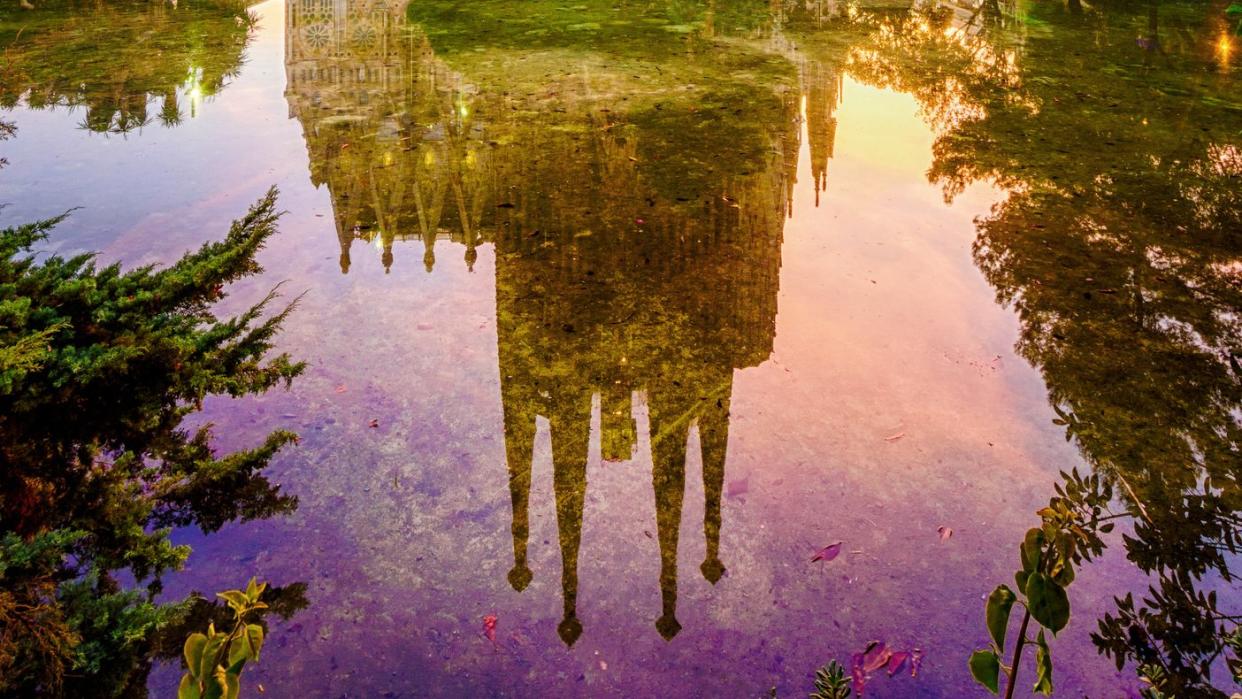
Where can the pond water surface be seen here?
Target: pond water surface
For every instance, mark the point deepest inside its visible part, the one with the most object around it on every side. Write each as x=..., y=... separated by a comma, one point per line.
x=617, y=313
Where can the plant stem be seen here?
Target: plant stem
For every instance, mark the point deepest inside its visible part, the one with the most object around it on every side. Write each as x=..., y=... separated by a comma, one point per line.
x=1017, y=655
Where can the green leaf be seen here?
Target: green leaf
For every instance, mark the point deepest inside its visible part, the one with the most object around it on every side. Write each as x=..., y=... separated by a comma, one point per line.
x=253, y=638
x=239, y=653
x=1063, y=572
x=193, y=652
x=236, y=599
x=1020, y=578
x=207, y=665
x=1048, y=602
x=1234, y=10
x=999, y=603
x=1043, y=666
x=232, y=685
x=985, y=668
x=1032, y=549
x=188, y=688
x=213, y=688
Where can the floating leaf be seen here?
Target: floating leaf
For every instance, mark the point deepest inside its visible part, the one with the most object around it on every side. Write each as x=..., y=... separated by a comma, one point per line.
x=489, y=627
x=896, y=661
x=999, y=603
x=858, y=678
x=1048, y=602
x=985, y=668
x=875, y=657
x=827, y=553
x=738, y=487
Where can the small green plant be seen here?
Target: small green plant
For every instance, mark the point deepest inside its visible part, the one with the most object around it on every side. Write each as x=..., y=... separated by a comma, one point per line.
x=1070, y=532
x=214, y=660
x=831, y=683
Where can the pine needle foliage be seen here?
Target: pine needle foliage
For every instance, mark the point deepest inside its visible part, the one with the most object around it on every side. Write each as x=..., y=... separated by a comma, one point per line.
x=99, y=367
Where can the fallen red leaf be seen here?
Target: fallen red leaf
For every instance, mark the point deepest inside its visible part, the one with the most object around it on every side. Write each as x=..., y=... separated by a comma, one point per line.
x=875, y=657
x=827, y=553
x=489, y=627
x=858, y=678
x=896, y=661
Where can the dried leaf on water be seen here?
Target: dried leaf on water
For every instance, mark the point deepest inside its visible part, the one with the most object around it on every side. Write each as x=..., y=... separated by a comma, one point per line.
x=897, y=661
x=827, y=553
x=738, y=487
x=876, y=656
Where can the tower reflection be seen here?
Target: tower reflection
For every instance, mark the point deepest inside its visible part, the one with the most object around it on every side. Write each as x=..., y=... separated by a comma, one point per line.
x=637, y=237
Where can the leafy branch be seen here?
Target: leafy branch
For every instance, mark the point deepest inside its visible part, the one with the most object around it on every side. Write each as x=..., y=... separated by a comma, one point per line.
x=214, y=660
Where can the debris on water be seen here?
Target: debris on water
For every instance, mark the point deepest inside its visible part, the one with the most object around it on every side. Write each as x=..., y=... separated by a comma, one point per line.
x=896, y=661
x=945, y=532
x=489, y=627
x=827, y=553
x=341, y=388
x=894, y=437
x=738, y=487
x=875, y=656
x=879, y=656
x=374, y=422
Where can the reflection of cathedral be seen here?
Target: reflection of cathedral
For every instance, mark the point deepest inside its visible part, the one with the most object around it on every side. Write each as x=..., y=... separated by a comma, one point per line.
x=627, y=267
x=369, y=96
x=657, y=298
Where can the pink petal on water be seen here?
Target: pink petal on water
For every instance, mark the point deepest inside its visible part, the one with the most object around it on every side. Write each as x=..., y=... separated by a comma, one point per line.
x=827, y=553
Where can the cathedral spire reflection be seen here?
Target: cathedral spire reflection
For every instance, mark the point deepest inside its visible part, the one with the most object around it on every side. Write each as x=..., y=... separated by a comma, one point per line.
x=637, y=245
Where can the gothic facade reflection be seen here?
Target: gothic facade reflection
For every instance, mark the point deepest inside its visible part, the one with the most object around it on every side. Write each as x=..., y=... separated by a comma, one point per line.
x=633, y=265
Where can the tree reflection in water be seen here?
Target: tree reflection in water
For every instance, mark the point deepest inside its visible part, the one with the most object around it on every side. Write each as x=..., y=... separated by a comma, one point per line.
x=1118, y=247
x=121, y=61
